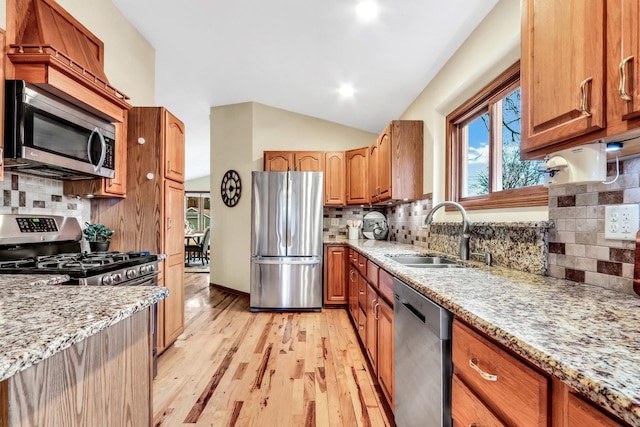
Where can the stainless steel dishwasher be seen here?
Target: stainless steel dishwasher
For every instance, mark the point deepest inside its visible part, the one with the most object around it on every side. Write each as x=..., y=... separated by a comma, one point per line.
x=423, y=367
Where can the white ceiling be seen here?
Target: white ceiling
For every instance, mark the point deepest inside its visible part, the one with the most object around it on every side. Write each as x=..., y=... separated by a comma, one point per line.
x=294, y=54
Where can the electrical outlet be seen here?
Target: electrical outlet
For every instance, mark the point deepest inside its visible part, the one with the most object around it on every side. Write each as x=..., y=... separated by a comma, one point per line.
x=335, y=222
x=621, y=222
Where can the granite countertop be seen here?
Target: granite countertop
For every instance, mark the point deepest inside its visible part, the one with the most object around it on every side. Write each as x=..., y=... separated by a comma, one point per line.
x=587, y=336
x=39, y=319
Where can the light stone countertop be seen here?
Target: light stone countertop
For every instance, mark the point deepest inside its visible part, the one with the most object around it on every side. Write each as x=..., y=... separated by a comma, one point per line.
x=39, y=318
x=587, y=336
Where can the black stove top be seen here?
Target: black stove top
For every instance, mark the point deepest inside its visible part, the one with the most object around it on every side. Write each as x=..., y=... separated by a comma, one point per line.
x=76, y=264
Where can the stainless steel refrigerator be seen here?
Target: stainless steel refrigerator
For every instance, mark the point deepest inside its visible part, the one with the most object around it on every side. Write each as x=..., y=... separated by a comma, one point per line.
x=286, y=241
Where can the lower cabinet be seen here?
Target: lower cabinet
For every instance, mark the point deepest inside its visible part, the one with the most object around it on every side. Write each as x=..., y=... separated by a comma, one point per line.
x=372, y=314
x=492, y=387
x=335, y=269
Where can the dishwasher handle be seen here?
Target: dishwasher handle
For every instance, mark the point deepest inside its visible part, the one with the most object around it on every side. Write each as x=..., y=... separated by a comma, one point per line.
x=415, y=312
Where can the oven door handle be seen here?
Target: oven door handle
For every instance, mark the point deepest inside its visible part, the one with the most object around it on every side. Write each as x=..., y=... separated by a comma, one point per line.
x=148, y=280
x=103, y=149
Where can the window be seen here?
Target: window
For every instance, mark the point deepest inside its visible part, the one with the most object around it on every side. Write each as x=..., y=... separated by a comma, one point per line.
x=484, y=169
x=198, y=210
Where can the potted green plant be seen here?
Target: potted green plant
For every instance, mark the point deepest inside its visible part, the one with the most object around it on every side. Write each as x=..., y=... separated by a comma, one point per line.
x=98, y=236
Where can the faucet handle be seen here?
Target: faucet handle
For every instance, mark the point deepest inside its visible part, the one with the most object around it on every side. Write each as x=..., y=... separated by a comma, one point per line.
x=486, y=255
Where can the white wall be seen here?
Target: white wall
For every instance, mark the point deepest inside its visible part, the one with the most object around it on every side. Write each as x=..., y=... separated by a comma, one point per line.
x=239, y=135
x=489, y=50
x=201, y=184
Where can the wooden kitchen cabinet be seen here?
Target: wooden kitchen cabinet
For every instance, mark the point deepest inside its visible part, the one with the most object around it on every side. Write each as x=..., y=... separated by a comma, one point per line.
x=300, y=161
x=278, y=161
x=151, y=217
x=174, y=138
x=334, y=179
x=396, y=163
x=357, y=176
x=105, y=187
x=335, y=270
x=371, y=341
x=373, y=318
x=386, y=359
x=515, y=392
x=577, y=411
x=579, y=76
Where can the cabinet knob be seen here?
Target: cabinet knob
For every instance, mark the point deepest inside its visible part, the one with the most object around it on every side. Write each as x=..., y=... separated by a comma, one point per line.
x=141, y=140
x=150, y=175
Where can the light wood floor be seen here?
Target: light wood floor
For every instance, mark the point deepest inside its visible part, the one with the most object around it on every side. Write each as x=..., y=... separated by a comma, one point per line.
x=232, y=367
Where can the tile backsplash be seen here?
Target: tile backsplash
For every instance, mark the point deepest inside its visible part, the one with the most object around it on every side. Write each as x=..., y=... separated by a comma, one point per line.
x=30, y=194
x=578, y=250
x=502, y=240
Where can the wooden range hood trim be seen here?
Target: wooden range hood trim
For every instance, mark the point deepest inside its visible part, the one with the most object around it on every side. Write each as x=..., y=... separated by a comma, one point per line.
x=74, y=65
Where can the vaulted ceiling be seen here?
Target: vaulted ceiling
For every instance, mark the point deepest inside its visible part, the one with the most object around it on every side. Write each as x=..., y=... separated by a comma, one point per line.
x=295, y=54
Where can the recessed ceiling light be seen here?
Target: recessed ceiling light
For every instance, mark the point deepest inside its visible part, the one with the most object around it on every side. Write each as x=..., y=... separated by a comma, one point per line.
x=367, y=10
x=346, y=91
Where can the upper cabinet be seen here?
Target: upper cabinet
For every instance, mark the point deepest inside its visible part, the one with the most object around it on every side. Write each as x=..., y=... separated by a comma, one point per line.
x=334, y=179
x=579, y=75
x=301, y=161
x=357, y=166
x=174, y=147
x=395, y=163
x=331, y=163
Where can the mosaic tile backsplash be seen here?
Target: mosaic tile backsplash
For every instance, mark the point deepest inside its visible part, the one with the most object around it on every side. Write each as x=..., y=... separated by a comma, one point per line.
x=29, y=194
x=578, y=250
x=527, y=240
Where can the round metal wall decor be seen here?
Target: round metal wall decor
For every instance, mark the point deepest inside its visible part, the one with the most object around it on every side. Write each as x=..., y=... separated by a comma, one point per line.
x=231, y=188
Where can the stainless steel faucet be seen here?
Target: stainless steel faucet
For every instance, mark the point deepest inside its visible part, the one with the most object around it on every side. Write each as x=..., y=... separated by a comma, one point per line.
x=465, y=234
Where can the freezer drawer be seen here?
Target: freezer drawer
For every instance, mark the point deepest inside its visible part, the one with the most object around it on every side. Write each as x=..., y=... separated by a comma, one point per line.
x=286, y=284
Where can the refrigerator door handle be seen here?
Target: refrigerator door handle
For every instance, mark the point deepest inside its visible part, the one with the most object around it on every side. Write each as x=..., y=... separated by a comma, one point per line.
x=286, y=261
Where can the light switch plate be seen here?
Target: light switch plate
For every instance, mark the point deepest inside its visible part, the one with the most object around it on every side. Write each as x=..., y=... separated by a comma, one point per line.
x=621, y=222
x=335, y=222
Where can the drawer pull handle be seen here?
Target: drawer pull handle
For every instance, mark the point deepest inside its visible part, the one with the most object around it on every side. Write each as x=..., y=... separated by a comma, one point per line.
x=483, y=374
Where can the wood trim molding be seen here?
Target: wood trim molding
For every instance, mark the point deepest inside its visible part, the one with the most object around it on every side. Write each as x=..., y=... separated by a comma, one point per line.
x=229, y=290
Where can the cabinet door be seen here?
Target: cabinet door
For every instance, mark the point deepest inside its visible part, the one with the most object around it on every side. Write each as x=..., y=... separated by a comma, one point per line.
x=357, y=176
x=117, y=185
x=278, y=161
x=468, y=409
x=563, y=70
x=353, y=293
x=629, y=67
x=384, y=165
x=174, y=263
x=374, y=188
x=581, y=413
x=334, y=179
x=174, y=147
x=371, y=341
x=309, y=161
x=385, y=349
x=335, y=282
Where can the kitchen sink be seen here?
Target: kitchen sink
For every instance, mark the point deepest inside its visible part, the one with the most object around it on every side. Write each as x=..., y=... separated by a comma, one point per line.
x=425, y=261
x=422, y=259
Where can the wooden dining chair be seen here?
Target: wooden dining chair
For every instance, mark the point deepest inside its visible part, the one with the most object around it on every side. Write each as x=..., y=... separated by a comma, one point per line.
x=199, y=250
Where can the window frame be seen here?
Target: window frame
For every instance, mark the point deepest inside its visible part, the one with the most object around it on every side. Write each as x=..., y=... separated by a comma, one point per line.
x=520, y=197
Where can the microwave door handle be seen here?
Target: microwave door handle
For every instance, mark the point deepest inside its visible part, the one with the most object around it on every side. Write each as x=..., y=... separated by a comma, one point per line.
x=103, y=149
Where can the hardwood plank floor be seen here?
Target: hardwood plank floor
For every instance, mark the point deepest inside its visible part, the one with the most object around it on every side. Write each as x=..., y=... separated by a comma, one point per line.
x=232, y=367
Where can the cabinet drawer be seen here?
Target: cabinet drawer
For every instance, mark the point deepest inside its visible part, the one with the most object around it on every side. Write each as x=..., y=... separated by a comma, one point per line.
x=468, y=410
x=362, y=325
x=518, y=394
x=372, y=273
x=385, y=285
x=353, y=257
x=362, y=292
x=362, y=264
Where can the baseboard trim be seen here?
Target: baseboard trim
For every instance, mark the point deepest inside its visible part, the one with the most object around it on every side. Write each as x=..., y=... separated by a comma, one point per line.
x=229, y=290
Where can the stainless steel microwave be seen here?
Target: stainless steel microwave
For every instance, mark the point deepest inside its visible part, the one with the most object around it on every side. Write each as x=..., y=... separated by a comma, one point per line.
x=48, y=136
